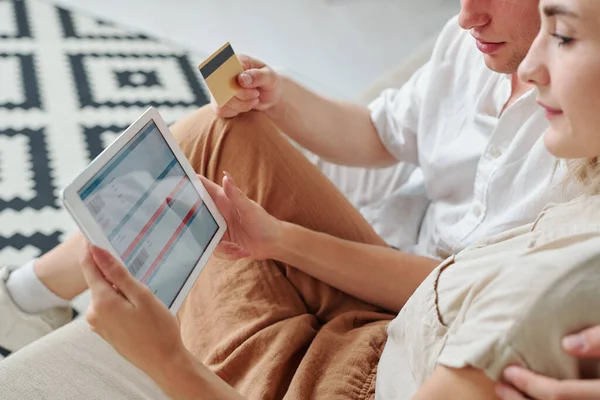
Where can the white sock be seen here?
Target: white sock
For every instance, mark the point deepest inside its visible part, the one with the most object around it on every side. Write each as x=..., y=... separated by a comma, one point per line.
x=29, y=293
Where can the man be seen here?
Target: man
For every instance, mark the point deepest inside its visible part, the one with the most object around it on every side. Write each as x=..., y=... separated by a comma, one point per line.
x=470, y=125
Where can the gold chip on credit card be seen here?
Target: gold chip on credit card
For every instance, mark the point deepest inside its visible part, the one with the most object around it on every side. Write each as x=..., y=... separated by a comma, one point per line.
x=220, y=72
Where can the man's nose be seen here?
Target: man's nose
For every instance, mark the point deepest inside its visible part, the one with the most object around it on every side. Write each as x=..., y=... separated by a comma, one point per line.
x=474, y=14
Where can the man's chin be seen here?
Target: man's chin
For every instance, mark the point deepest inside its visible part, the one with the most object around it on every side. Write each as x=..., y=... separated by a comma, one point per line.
x=497, y=65
x=502, y=64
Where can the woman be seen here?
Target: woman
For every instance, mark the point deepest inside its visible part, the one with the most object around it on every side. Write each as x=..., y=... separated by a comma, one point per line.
x=506, y=301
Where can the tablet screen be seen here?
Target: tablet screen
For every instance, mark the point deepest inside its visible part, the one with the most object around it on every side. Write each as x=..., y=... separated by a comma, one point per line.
x=151, y=213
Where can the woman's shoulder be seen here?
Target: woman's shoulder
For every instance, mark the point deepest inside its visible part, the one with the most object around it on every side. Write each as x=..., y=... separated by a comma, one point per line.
x=519, y=309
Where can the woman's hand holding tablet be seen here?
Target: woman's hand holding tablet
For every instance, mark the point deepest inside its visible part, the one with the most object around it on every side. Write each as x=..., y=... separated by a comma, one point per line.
x=252, y=232
x=142, y=201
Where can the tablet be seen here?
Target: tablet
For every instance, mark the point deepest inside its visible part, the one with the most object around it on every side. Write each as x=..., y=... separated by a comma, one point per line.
x=141, y=200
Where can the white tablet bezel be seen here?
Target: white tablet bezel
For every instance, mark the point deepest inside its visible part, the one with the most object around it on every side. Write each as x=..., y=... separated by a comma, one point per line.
x=92, y=230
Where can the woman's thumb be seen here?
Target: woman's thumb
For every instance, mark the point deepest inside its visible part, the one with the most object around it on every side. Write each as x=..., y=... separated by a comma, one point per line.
x=114, y=271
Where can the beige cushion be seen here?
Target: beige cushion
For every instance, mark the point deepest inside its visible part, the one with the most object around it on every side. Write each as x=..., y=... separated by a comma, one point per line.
x=73, y=363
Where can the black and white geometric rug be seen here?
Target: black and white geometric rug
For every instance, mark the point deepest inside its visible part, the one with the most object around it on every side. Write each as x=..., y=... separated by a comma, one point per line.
x=69, y=84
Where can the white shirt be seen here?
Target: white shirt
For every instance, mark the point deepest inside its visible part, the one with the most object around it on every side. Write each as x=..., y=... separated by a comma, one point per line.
x=484, y=171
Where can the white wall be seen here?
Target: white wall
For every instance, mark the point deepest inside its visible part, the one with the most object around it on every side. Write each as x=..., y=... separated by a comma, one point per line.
x=336, y=46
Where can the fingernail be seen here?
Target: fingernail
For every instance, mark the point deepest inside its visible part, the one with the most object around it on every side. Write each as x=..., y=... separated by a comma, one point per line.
x=228, y=175
x=246, y=79
x=574, y=343
x=234, y=246
x=101, y=255
x=511, y=373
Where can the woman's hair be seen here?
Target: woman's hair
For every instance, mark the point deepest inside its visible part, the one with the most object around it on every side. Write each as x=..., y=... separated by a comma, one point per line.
x=587, y=172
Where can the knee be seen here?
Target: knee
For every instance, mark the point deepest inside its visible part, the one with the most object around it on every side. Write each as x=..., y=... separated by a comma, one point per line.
x=190, y=129
x=204, y=135
x=251, y=127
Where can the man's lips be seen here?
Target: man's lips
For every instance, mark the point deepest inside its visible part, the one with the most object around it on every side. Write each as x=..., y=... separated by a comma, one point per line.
x=550, y=112
x=488, y=47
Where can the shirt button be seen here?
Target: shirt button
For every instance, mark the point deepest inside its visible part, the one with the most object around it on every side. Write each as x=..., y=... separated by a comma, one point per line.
x=495, y=152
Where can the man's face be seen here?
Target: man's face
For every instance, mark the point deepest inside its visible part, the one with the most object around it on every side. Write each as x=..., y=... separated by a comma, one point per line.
x=504, y=30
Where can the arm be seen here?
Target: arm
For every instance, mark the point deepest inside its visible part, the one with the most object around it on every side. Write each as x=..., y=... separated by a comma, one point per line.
x=184, y=378
x=457, y=384
x=557, y=292
x=340, y=132
x=392, y=276
x=376, y=274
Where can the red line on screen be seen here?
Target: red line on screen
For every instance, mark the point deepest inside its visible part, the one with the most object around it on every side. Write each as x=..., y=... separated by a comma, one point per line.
x=153, y=219
x=171, y=240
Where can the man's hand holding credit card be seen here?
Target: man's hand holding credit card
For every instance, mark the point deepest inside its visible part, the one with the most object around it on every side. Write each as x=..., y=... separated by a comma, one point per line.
x=239, y=84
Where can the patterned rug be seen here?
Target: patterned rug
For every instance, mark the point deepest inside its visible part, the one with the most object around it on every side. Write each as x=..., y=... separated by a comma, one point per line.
x=69, y=84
